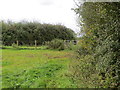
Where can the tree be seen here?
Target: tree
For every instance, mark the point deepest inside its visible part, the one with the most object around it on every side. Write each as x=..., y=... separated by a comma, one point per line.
x=27, y=32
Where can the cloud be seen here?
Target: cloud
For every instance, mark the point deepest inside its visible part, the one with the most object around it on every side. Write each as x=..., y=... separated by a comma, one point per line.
x=46, y=2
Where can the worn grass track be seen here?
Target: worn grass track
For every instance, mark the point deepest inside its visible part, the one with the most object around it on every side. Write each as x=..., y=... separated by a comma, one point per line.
x=36, y=69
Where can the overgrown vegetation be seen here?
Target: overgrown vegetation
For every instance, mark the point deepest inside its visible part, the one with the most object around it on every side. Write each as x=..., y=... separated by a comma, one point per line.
x=15, y=46
x=56, y=44
x=99, y=54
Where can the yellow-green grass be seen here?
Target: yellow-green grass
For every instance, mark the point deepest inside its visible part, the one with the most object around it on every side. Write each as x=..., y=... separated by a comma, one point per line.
x=36, y=68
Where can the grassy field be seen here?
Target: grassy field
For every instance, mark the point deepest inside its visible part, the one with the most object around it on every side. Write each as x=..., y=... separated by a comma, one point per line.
x=42, y=68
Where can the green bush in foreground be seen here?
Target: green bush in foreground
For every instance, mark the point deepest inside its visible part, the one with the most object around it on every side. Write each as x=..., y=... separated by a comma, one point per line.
x=99, y=51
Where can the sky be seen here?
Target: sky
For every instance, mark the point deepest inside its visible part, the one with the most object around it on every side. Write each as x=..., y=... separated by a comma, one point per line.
x=43, y=11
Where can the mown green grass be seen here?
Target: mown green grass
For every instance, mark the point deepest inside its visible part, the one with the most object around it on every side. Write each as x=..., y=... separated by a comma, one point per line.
x=40, y=68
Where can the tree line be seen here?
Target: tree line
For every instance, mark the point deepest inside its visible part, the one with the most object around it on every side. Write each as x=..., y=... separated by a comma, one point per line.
x=27, y=32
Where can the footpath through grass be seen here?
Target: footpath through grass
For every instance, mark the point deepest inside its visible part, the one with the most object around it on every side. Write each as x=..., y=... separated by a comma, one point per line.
x=36, y=69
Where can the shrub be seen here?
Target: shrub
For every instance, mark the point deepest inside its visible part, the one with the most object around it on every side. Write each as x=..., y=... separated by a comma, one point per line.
x=69, y=46
x=101, y=39
x=56, y=44
x=82, y=51
x=15, y=46
x=83, y=71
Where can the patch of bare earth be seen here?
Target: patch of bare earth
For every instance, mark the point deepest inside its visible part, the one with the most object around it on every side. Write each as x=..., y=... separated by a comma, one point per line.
x=26, y=55
x=62, y=56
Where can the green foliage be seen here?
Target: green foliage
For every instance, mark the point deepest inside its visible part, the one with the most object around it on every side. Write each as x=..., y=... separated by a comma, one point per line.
x=27, y=32
x=69, y=45
x=101, y=39
x=15, y=46
x=56, y=44
x=84, y=72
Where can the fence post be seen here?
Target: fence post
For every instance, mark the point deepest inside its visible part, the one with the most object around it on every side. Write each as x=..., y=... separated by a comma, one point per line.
x=35, y=44
x=17, y=43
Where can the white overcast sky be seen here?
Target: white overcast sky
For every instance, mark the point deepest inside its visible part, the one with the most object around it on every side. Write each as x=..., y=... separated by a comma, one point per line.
x=44, y=11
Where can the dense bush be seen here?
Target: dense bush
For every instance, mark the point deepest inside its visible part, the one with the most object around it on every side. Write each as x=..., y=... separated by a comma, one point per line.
x=101, y=40
x=56, y=44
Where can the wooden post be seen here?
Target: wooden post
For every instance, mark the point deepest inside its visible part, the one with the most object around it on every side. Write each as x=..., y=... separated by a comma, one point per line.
x=17, y=43
x=35, y=44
